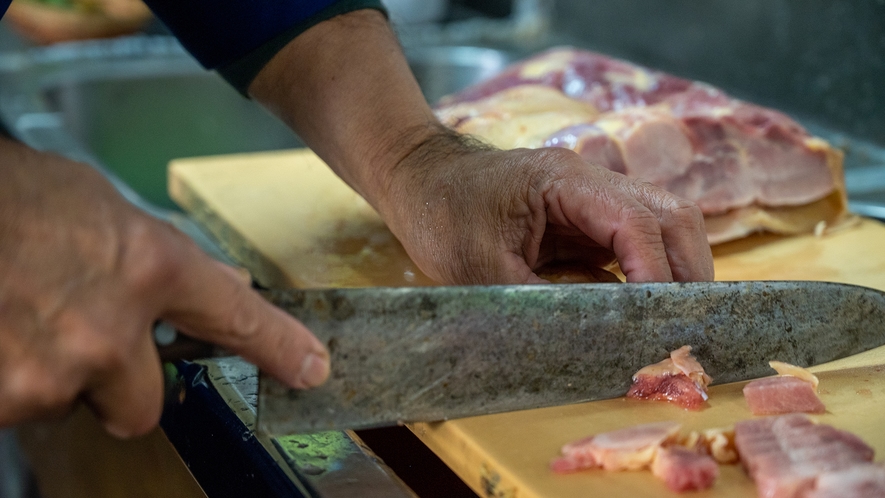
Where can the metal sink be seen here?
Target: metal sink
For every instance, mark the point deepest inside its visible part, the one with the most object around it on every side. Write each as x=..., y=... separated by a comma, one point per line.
x=132, y=104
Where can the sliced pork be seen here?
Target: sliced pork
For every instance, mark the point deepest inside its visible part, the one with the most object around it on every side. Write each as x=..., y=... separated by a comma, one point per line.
x=632, y=448
x=782, y=394
x=606, y=83
x=682, y=469
x=747, y=167
x=679, y=379
x=790, y=456
x=858, y=481
x=795, y=390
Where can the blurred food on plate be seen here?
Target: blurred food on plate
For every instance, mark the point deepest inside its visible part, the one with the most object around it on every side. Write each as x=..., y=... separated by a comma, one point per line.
x=53, y=21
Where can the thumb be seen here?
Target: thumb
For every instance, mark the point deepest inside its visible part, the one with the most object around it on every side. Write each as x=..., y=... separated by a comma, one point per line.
x=212, y=303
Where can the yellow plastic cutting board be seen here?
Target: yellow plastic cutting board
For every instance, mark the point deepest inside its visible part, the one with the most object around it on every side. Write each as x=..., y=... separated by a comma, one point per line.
x=292, y=222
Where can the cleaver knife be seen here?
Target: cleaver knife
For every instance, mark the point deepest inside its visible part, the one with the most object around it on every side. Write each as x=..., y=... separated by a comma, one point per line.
x=435, y=353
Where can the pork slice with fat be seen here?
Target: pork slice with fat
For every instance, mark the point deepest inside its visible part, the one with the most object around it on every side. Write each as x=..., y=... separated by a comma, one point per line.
x=679, y=379
x=787, y=456
x=748, y=168
x=632, y=448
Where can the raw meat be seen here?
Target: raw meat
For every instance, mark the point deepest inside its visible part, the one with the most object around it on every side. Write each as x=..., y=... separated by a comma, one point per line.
x=747, y=167
x=859, y=481
x=632, y=448
x=786, y=369
x=792, y=391
x=782, y=394
x=679, y=379
x=788, y=456
x=682, y=469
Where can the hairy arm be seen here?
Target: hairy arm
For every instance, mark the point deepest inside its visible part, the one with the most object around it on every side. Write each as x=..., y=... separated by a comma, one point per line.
x=467, y=213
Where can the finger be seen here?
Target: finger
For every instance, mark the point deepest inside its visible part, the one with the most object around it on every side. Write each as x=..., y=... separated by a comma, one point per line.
x=638, y=245
x=129, y=400
x=685, y=240
x=212, y=304
x=237, y=272
x=616, y=221
x=682, y=231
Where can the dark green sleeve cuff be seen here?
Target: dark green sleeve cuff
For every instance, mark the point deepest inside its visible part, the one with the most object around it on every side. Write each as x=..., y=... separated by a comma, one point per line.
x=242, y=71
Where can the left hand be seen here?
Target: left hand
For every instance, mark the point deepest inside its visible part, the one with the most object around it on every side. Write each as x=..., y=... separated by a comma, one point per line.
x=469, y=214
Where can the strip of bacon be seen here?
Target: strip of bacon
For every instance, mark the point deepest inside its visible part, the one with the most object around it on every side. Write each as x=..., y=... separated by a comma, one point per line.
x=679, y=379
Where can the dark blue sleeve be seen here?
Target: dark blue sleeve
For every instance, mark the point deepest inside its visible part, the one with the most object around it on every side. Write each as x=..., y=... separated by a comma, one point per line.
x=238, y=37
x=218, y=32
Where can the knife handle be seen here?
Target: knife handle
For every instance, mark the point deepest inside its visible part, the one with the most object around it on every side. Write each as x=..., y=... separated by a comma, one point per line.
x=173, y=346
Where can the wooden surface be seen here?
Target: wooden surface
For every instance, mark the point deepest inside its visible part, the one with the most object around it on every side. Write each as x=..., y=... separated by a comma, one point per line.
x=76, y=458
x=292, y=222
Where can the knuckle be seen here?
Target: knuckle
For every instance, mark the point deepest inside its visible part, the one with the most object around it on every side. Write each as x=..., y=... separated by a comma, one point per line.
x=559, y=155
x=556, y=164
x=638, y=218
x=151, y=255
x=244, y=323
x=685, y=213
x=96, y=346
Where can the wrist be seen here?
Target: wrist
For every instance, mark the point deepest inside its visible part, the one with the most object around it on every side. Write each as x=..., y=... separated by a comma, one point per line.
x=424, y=163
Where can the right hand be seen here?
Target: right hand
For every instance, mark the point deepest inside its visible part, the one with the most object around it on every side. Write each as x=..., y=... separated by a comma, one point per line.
x=84, y=275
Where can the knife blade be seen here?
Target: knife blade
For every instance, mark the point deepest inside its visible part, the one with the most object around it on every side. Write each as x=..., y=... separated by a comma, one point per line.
x=436, y=353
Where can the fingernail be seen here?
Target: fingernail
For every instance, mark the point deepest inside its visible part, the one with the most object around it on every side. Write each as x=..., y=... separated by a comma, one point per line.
x=314, y=370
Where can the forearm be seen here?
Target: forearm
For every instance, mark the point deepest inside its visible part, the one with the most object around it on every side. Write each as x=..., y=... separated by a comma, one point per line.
x=466, y=213
x=345, y=88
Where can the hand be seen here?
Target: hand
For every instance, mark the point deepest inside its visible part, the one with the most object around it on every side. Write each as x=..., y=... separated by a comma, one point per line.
x=466, y=213
x=469, y=214
x=84, y=275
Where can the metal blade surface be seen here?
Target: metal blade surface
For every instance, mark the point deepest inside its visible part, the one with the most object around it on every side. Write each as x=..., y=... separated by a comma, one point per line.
x=436, y=353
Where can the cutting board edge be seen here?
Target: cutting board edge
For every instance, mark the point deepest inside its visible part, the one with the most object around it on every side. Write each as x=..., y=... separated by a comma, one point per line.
x=475, y=467
x=236, y=245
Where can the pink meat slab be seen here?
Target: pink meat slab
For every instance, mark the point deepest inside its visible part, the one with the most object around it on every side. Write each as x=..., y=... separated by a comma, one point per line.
x=787, y=456
x=782, y=394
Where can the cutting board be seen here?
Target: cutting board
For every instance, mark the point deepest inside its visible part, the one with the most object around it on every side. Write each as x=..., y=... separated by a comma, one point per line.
x=292, y=222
